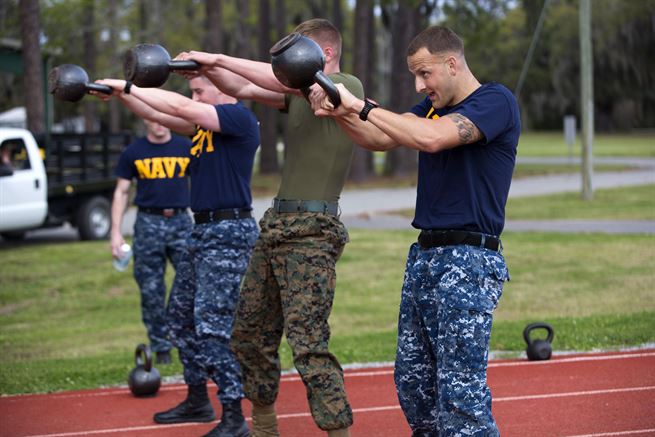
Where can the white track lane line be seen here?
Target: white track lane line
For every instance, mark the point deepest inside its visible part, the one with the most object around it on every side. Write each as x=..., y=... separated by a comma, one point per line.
x=364, y=373
x=371, y=410
x=632, y=432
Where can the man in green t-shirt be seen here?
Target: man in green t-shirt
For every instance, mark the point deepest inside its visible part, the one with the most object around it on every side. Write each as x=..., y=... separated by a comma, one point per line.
x=290, y=281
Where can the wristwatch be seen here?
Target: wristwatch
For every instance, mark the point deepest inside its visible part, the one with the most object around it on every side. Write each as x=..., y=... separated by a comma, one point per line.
x=368, y=105
x=126, y=88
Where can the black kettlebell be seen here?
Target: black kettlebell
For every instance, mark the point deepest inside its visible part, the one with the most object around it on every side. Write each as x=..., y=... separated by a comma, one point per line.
x=538, y=350
x=70, y=82
x=148, y=65
x=144, y=380
x=298, y=63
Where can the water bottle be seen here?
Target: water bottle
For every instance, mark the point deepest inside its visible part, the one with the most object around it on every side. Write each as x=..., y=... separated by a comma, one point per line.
x=121, y=263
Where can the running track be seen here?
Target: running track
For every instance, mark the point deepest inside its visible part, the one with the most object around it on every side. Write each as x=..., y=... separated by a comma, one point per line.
x=572, y=395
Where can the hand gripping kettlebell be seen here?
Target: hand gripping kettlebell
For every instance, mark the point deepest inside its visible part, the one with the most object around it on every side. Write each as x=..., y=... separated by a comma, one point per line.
x=144, y=380
x=538, y=349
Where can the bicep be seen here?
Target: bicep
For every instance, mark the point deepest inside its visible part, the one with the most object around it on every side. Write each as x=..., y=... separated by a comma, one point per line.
x=264, y=96
x=176, y=124
x=202, y=114
x=459, y=130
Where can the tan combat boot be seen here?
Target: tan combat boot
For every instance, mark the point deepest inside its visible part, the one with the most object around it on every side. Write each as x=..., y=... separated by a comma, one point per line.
x=264, y=421
x=343, y=432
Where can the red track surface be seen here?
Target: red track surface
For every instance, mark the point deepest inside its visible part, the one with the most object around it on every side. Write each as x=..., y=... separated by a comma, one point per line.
x=582, y=395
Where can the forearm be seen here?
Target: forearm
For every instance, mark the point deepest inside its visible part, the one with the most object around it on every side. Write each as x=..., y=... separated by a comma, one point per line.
x=259, y=73
x=365, y=134
x=118, y=208
x=160, y=100
x=143, y=110
x=238, y=86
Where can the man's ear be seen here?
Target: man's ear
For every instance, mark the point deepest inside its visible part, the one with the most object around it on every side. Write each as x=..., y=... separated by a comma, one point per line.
x=451, y=63
x=329, y=54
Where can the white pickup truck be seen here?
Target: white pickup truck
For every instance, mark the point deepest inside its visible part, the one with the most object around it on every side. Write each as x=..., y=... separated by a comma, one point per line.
x=68, y=179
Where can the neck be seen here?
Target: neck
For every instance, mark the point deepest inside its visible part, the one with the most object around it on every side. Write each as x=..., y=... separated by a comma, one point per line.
x=332, y=67
x=159, y=140
x=468, y=86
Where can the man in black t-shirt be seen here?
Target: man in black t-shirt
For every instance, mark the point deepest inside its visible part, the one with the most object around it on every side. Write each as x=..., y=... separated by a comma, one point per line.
x=466, y=134
x=158, y=162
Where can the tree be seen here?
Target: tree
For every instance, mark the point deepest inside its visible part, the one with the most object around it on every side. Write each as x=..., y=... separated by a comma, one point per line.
x=405, y=20
x=90, y=53
x=363, y=67
x=213, y=39
x=268, y=162
x=34, y=97
x=112, y=48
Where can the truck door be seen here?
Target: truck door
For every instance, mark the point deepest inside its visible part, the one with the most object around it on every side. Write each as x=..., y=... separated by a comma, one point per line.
x=23, y=190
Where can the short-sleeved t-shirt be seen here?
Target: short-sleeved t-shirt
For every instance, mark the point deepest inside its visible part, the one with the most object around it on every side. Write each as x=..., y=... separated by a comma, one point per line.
x=221, y=162
x=161, y=171
x=318, y=152
x=466, y=187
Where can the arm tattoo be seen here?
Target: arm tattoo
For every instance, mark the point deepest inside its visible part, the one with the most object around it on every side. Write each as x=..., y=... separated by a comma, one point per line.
x=468, y=132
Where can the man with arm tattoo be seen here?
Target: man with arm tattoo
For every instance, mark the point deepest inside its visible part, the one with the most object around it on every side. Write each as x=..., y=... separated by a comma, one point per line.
x=467, y=135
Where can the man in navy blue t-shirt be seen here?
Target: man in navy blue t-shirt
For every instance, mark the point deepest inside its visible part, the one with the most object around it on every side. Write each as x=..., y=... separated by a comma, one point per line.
x=159, y=163
x=466, y=134
x=225, y=136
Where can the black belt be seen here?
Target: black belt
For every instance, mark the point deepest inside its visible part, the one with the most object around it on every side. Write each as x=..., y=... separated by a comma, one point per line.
x=221, y=214
x=281, y=205
x=435, y=238
x=166, y=212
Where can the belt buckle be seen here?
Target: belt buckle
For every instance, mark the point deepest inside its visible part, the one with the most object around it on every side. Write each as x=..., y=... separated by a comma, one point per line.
x=168, y=212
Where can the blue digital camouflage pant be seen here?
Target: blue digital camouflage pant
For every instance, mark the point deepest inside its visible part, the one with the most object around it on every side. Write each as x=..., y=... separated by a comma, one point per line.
x=448, y=297
x=157, y=238
x=201, y=308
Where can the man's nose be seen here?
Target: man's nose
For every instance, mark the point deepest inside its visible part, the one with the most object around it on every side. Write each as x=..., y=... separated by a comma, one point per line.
x=419, y=84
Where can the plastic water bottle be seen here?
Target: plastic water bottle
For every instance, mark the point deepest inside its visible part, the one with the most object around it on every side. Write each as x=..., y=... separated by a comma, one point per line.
x=121, y=263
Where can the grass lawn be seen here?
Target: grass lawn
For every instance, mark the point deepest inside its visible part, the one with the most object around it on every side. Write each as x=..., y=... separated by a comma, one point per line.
x=628, y=203
x=69, y=321
x=546, y=144
x=553, y=144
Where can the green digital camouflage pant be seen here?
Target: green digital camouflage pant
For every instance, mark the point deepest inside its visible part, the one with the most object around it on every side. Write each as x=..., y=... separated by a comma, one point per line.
x=289, y=287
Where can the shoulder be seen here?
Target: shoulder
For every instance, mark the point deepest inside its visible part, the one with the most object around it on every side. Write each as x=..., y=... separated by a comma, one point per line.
x=352, y=83
x=235, y=111
x=135, y=145
x=179, y=139
x=494, y=91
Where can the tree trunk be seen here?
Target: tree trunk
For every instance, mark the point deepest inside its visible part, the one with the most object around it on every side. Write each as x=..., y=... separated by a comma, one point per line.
x=268, y=162
x=115, y=66
x=281, y=31
x=242, y=36
x=88, y=37
x=402, y=161
x=34, y=94
x=363, y=64
x=213, y=41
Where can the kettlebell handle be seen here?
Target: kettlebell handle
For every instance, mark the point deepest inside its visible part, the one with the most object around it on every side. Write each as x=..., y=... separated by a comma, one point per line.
x=143, y=357
x=105, y=89
x=329, y=87
x=184, y=65
x=533, y=326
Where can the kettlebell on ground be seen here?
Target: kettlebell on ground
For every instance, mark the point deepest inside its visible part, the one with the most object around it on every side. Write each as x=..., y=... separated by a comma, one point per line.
x=144, y=380
x=538, y=349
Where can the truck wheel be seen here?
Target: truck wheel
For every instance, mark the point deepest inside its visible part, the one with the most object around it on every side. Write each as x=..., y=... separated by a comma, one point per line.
x=93, y=219
x=13, y=235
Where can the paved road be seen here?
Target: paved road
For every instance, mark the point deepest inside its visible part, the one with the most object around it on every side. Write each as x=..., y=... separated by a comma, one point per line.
x=370, y=208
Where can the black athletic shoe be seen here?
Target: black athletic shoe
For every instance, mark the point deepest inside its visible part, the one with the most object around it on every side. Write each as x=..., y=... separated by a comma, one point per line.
x=232, y=423
x=195, y=408
x=163, y=357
